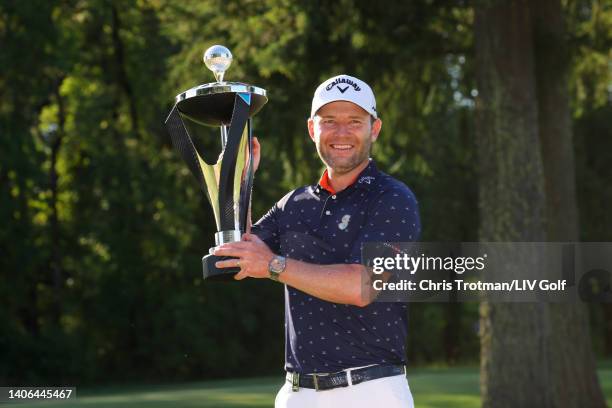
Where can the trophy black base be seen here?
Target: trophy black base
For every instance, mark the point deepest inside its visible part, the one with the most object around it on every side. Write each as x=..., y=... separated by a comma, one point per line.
x=212, y=273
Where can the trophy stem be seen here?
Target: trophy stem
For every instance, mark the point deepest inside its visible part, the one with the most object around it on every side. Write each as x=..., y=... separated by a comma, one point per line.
x=223, y=136
x=223, y=237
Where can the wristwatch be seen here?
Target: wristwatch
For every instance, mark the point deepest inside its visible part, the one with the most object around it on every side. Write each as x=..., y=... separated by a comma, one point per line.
x=277, y=266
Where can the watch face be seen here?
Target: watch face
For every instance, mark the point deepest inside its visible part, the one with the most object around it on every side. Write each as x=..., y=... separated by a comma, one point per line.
x=277, y=265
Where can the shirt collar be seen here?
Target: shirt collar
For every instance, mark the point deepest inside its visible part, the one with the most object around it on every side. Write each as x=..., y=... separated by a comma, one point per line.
x=365, y=179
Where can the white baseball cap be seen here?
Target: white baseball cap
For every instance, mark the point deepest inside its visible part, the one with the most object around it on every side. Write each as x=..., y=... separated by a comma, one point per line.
x=344, y=88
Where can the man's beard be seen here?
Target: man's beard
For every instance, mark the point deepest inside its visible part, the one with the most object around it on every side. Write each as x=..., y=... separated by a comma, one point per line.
x=343, y=165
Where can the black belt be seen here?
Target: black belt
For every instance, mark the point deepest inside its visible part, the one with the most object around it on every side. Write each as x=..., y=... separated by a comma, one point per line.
x=321, y=382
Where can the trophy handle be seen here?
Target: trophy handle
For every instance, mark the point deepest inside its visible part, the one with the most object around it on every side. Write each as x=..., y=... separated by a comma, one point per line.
x=206, y=174
x=183, y=143
x=231, y=174
x=247, y=188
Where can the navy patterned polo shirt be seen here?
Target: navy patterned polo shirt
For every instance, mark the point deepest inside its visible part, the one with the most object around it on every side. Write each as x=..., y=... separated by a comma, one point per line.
x=311, y=224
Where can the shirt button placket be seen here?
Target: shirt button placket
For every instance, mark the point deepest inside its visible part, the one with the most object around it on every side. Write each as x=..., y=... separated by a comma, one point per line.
x=326, y=204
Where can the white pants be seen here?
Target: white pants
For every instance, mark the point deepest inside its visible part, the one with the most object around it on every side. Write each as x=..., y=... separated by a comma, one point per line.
x=388, y=392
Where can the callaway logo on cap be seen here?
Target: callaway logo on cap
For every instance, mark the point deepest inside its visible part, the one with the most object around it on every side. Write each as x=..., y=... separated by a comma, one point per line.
x=344, y=88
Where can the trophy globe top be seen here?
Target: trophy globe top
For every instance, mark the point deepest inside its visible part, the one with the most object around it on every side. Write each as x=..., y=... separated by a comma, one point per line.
x=218, y=59
x=212, y=104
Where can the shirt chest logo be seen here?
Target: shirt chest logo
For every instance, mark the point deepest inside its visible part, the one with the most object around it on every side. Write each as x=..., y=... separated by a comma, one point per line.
x=366, y=179
x=344, y=222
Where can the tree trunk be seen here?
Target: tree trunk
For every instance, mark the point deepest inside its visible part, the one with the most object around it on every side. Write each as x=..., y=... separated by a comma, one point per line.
x=515, y=338
x=573, y=365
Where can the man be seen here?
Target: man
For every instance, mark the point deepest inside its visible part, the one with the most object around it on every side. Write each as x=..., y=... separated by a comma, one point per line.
x=341, y=348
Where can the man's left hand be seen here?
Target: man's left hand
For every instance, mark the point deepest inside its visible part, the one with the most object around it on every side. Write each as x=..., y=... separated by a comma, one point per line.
x=252, y=257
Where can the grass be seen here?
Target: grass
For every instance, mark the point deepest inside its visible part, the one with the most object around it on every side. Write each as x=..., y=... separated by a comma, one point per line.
x=455, y=387
x=445, y=387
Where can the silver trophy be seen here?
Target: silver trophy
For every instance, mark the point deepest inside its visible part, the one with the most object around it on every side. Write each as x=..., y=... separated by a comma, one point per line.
x=228, y=182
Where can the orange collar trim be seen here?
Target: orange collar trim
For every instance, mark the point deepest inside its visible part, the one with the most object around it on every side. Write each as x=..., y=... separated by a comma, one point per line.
x=326, y=184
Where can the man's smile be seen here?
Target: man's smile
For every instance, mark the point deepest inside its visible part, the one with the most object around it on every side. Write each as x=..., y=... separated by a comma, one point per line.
x=341, y=146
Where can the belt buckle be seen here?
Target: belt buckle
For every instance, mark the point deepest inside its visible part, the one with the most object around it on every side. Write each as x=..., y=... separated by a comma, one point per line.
x=316, y=382
x=295, y=382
